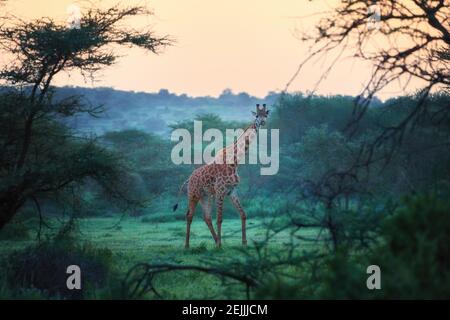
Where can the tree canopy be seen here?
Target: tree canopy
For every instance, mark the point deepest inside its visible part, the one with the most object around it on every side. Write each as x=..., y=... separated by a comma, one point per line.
x=37, y=51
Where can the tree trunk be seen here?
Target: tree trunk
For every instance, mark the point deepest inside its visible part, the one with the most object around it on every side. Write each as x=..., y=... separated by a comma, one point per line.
x=26, y=142
x=9, y=205
x=331, y=226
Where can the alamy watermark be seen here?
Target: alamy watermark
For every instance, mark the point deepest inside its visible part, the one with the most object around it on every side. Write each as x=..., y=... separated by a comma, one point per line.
x=374, y=17
x=374, y=280
x=74, y=17
x=235, y=149
x=73, y=281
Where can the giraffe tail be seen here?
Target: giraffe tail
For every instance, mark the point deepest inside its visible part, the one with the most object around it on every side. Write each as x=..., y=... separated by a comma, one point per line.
x=175, y=207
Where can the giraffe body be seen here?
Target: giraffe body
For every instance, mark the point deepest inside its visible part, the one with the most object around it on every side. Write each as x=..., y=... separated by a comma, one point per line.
x=212, y=179
x=218, y=179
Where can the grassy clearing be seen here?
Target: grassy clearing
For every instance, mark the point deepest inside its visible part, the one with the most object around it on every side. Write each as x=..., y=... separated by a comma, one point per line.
x=140, y=239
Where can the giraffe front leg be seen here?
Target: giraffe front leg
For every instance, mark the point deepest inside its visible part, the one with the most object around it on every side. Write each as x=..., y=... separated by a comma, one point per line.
x=219, y=219
x=238, y=206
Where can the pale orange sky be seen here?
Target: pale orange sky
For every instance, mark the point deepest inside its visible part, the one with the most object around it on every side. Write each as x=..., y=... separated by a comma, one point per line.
x=245, y=45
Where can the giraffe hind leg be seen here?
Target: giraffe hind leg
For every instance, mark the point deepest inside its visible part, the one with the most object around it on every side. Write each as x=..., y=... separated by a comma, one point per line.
x=189, y=216
x=206, y=203
x=219, y=204
x=238, y=206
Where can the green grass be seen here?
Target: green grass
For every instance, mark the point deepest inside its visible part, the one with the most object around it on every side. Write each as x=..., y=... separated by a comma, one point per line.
x=135, y=239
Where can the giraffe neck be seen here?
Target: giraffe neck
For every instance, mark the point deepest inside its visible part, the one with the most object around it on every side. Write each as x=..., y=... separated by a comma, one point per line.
x=242, y=144
x=235, y=152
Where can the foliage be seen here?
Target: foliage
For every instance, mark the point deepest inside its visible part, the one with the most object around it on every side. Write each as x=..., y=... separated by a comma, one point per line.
x=38, y=50
x=43, y=267
x=14, y=231
x=416, y=252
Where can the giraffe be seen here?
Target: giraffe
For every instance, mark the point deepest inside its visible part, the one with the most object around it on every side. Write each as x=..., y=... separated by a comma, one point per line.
x=219, y=178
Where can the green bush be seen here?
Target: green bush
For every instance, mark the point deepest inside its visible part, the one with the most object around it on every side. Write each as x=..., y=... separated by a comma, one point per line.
x=43, y=267
x=413, y=254
x=14, y=231
x=415, y=257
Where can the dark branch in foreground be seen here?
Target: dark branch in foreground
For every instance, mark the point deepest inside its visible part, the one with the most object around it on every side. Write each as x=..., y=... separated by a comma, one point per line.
x=140, y=279
x=417, y=38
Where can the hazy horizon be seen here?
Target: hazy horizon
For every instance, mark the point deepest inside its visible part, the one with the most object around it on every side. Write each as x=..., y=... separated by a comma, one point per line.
x=246, y=46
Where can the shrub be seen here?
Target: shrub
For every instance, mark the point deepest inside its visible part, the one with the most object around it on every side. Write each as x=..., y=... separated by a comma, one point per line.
x=14, y=231
x=43, y=267
x=413, y=254
x=416, y=253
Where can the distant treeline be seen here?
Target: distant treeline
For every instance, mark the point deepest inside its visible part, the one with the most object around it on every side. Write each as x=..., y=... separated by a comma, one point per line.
x=155, y=112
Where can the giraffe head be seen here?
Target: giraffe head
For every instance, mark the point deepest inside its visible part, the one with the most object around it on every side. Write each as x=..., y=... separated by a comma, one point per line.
x=261, y=115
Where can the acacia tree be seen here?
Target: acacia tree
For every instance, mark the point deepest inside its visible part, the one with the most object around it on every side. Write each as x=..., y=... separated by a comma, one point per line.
x=416, y=45
x=36, y=157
